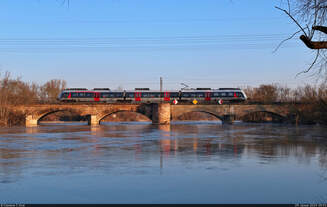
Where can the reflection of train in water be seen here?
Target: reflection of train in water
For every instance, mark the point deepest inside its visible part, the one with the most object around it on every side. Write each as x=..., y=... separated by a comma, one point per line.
x=204, y=95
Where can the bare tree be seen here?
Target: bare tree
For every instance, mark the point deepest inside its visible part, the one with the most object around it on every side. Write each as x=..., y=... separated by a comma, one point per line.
x=310, y=17
x=51, y=89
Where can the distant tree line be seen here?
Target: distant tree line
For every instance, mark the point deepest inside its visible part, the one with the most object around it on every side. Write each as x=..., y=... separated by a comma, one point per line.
x=308, y=104
x=14, y=91
x=275, y=93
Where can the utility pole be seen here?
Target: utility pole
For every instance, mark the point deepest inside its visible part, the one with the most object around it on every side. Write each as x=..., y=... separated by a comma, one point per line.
x=160, y=84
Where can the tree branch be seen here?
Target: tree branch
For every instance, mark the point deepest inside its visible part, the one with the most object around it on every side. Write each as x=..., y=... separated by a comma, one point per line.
x=313, y=44
x=312, y=64
x=320, y=28
x=280, y=44
x=294, y=20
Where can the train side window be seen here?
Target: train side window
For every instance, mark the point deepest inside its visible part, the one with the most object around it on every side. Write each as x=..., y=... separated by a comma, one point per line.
x=130, y=95
x=74, y=95
x=104, y=95
x=216, y=95
x=154, y=95
x=223, y=94
x=230, y=94
x=174, y=95
x=118, y=95
x=145, y=95
x=186, y=95
x=89, y=95
x=200, y=95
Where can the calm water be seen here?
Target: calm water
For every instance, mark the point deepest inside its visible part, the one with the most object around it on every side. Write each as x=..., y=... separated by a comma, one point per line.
x=181, y=163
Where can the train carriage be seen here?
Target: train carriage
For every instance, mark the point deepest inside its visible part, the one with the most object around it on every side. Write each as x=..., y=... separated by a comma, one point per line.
x=207, y=95
x=153, y=96
x=229, y=95
x=201, y=95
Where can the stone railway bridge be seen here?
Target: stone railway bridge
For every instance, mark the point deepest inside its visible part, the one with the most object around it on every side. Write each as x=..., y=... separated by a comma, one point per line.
x=159, y=113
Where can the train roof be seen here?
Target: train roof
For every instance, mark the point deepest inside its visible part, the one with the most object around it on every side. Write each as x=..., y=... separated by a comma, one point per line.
x=75, y=89
x=150, y=91
x=229, y=89
x=212, y=90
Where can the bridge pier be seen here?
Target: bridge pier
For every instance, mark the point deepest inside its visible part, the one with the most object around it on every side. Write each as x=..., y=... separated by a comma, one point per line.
x=30, y=121
x=92, y=120
x=161, y=113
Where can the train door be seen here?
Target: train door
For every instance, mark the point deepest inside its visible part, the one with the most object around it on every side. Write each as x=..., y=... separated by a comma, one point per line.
x=137, y=96
x=208, y=96
x=96, y=96
x=166, y=96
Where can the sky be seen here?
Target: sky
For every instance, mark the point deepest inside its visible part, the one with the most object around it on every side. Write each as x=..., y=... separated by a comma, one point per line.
x=132, y=43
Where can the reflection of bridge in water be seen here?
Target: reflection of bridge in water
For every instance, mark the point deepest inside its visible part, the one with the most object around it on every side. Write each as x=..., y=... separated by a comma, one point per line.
x=161, y=113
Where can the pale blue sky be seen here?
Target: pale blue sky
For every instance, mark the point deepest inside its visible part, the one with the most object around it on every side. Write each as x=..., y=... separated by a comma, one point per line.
x=131, y=43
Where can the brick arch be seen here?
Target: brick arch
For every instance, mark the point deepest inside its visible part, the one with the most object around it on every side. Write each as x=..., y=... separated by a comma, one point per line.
x=106, y=114
x=220, y=117
x=281, y=115
x=281, y=111
x=43, y=113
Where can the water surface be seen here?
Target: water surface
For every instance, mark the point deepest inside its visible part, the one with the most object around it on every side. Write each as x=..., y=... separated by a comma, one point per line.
x=195, y=162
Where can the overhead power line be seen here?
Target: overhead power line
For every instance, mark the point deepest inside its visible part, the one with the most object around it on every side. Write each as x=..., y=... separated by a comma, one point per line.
x=241, y=41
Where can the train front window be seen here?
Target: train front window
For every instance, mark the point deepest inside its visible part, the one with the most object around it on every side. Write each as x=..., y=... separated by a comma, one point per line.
x=64, y=95
x=239, y=94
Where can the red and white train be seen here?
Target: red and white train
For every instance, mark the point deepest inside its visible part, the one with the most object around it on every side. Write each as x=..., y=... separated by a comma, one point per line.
x=206, y=95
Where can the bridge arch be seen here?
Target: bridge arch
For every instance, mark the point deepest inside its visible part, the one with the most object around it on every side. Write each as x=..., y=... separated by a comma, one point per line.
x=200, y=111
x=42, y=114
x=107, y=114
x=272, y=114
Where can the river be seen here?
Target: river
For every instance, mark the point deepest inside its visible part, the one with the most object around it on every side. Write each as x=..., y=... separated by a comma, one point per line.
x=186, y=162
